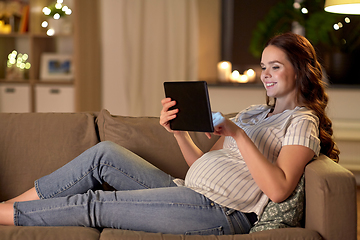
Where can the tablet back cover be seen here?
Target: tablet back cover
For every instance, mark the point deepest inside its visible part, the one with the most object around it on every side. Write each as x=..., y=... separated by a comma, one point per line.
x=193, y=102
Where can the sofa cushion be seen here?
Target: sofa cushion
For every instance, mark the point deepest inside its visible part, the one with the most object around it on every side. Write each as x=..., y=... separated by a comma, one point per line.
x=49, y=233
x=148, y=139
x=35, y=144
x=286, y=214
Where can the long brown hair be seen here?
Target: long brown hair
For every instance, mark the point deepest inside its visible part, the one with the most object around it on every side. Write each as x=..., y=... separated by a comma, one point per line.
x=309, y=84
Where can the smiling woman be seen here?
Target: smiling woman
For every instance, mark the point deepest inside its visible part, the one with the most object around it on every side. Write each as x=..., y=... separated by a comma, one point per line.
x=310, y=92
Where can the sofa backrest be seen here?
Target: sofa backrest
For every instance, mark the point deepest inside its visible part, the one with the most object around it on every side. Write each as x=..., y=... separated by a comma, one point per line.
x=148, y=139
x=35, y=144
x=331, y=207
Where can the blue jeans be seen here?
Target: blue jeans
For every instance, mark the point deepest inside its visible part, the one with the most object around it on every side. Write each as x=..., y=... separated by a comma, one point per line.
x=146, y=198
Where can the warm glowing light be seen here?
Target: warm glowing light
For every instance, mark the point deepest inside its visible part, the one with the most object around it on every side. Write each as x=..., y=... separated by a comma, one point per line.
x=353, y=8
x=44, y=24
x=68, y=11
x=50, y=32
x=244, y=79
x=60, y=1
x=224, y=71
x=5, y=28
x=250, y=72
x=46, y=11
x=58, y=5
x=336, y=27
x=347, y=20
x=297, y=5
x=235, y=75
x=12, y=55
x=248, y=76
x=18, y=60
x=25, y=57
x=304, y=11
x=56, y=16
x=224, y=65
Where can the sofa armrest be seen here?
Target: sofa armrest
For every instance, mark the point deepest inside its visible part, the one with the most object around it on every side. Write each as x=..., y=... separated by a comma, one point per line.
x=330, y=192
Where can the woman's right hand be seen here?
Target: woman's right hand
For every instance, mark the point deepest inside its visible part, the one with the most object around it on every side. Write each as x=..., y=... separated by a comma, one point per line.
x=166, y=115
x=189, y=150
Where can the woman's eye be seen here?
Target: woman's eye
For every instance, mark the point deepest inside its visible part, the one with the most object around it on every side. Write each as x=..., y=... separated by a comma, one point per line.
x=275, y=67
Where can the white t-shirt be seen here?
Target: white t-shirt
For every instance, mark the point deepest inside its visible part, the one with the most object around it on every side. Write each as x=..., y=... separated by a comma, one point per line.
x=223, y=176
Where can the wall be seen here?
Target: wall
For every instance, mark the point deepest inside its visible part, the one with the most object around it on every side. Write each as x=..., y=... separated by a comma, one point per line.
x=114, y=88
x=209, y=38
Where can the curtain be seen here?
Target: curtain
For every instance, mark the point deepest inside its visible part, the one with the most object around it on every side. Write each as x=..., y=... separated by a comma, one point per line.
x=149, y=42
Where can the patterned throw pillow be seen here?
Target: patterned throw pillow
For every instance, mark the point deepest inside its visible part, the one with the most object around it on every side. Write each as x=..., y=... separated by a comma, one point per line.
x=286, y=214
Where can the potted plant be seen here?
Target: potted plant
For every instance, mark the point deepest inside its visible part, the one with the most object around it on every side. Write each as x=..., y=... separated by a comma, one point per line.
x=335, y=36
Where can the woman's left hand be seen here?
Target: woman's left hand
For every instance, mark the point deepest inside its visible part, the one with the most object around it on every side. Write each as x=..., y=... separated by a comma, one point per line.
x=227, y=128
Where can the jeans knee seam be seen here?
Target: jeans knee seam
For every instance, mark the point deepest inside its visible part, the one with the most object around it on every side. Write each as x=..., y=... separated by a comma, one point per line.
x=71, y=184
x=125, y=174
x=37, y=189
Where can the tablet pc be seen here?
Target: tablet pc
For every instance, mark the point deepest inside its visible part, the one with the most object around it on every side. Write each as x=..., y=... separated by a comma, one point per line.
x=192, y=100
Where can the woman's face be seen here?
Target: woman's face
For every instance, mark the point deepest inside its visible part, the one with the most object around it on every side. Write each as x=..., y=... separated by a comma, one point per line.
x=278, y=74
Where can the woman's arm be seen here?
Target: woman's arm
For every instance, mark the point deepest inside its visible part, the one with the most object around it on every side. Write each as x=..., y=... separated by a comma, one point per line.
x=277, y=180
x=188, y=148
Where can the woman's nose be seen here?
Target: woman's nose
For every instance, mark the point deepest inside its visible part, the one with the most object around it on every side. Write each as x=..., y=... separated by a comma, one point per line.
x=265, y=74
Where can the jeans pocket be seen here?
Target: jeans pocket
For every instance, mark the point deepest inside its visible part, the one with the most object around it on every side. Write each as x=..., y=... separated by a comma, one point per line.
x=211, y=231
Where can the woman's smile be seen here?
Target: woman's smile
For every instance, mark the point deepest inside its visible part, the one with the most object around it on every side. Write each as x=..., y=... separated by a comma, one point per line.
x=270, y=84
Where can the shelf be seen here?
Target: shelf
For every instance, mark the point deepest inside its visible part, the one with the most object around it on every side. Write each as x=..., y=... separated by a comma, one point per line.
x=86, y=78
x=41, y=35
x=12, y=35
x=235, y=84
x=35, y=43
x=17, y=81
x=29, y=35
x=55, y=82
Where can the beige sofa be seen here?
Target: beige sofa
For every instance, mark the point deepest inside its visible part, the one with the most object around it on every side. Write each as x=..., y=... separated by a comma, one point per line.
x=35, y=144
